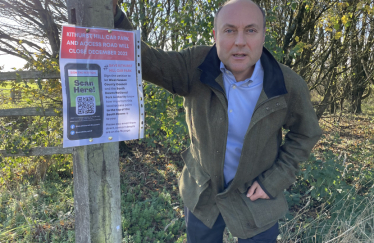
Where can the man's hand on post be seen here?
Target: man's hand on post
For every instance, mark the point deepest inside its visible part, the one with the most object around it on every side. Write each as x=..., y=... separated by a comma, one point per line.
x=255, y=192
x=114, y=7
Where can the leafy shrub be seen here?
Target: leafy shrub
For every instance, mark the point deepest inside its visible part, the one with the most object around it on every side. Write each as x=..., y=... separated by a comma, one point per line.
x=165, y=119
x=332, y=200
x=150, y=220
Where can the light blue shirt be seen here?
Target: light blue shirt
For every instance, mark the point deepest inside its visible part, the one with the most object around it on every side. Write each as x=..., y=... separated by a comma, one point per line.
x=242, y=98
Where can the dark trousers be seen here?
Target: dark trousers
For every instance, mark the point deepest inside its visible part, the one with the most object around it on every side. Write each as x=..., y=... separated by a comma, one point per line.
x=197, y=232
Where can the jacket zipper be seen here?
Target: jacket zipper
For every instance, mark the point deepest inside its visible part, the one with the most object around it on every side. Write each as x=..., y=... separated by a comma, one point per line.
x=225, y=141
x=224, y=150
x=265, y=101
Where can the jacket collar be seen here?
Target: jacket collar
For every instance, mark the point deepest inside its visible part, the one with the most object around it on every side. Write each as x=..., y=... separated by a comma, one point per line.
x=273, y=77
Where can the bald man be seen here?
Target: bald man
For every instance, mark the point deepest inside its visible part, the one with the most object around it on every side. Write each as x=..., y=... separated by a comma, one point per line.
x=237, y=99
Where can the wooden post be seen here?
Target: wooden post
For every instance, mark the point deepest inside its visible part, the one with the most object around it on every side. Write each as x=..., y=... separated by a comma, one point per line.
x=2, y=100
x=97, y=198
x=13, y=96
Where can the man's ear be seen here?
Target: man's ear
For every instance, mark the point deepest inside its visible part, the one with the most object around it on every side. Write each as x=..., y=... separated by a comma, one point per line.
x=214, y=35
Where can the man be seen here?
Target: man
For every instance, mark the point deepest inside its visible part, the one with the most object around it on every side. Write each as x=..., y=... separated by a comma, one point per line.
x=237, y=98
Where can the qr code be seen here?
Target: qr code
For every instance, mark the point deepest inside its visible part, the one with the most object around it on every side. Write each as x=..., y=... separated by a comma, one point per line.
x=85, y=105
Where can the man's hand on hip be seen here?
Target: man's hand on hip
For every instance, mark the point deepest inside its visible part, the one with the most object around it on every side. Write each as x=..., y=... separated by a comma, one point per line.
x=255, y=192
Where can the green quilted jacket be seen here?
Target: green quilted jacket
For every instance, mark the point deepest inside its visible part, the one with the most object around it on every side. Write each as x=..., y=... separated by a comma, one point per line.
x=284, y=103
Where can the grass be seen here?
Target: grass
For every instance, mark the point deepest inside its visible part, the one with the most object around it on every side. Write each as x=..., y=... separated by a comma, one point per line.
x=340, y=208
x=22, y=95
x=42, y=213
x=332, y=200
x=34, y=93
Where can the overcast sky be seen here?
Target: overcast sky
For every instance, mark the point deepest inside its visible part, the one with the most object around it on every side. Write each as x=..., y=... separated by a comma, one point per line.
x=9, y=61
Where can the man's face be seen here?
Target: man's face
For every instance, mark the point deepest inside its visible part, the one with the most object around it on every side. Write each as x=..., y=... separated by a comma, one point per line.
x=239, y=37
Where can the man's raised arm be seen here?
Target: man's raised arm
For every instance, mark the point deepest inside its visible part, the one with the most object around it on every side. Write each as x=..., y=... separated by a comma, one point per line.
x=120, y=20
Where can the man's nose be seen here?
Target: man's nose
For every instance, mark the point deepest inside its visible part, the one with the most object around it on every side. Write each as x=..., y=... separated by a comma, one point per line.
x=240, y=41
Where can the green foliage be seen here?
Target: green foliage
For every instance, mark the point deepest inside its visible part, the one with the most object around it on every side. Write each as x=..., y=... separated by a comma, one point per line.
x=151, y=206
x=325, y=178
x=271, y=37
x=20, y=134
x=37, y=214
x=165, y=119
x=23, y=133
x=150, y=220
x=334, y=193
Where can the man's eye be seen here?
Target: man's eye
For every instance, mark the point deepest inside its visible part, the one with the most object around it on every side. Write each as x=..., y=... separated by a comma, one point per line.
x=251, y=30
x=229, y=31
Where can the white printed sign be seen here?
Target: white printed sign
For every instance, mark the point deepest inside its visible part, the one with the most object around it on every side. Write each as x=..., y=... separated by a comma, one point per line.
x=101, y=86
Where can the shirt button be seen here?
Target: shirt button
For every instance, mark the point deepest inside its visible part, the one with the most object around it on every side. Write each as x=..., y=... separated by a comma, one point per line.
x=277, y=103
x=267, y=108
x=230, y=110
x=234, y=87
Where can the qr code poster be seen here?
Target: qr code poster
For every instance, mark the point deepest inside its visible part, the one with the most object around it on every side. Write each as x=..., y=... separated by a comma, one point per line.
x=85, y=105
x=102, y=91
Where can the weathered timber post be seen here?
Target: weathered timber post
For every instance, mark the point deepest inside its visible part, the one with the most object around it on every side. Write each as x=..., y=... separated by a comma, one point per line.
x=15, y=96
x=97, y=197
x=12, y=96
x=2, y=96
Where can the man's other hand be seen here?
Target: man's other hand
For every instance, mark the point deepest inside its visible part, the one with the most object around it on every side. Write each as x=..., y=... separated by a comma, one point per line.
x=255, y=192
x=114, y=7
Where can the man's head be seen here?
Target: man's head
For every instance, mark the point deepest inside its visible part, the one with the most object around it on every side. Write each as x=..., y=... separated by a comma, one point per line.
x=227, y=2
x=239, y=32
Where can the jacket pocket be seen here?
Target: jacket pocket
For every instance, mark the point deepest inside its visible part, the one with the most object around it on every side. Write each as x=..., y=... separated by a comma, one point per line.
x=266, y=211
x=194, y=183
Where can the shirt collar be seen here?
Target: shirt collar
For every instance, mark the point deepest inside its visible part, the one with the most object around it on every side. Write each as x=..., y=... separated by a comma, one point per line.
x=257, y=75
x=273, y=83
